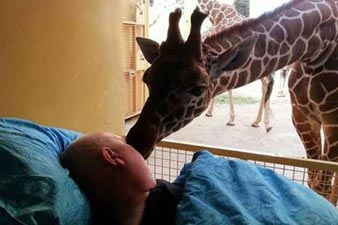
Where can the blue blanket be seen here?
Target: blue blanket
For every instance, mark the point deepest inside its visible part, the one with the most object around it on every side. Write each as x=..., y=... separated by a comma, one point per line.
x=219, y=192
x=34, y=188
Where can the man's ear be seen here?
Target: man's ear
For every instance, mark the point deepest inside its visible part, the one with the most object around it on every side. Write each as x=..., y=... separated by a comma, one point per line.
x=233, y=58
x=112, y=157
x=149, y=48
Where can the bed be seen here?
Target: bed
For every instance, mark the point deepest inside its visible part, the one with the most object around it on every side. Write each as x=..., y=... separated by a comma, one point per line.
x=35, y=189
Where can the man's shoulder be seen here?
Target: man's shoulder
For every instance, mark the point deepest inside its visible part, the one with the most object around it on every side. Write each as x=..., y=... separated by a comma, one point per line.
x=162, y=204
x=166, y=188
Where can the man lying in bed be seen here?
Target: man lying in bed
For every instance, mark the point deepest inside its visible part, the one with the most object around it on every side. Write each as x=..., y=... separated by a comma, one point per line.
x=118, y=183
x=208, y=191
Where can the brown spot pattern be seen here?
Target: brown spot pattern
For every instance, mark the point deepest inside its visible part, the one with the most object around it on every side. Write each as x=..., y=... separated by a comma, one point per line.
x=325, y=11
x=242, y=78
x=260, y=46
x=293, y=28
x=273, y=48
x=270, y=67
x=277, y=33
x=291, y=13
x=311, y=22
x=268, y=25
x=224, y=80
x=283, y=61
x=312, y=47
x=233, y=79
x=284, y=49
x=266, y=60
x=256, y=68
x=298, y=48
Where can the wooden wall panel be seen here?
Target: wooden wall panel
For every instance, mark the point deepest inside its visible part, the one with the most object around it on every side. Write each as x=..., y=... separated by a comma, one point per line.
x=135, y=22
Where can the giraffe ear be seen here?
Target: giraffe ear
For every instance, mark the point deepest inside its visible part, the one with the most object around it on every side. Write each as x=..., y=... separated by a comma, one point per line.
x=233, y=58
x=149, y=48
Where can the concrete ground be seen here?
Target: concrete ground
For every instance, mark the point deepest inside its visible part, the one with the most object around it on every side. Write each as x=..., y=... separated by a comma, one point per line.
x=281, y=140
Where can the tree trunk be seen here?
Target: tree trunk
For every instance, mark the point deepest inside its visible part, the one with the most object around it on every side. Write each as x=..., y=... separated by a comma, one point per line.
x=243, y=7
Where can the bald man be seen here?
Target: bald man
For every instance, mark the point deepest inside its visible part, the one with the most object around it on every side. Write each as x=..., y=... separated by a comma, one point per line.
x=118, y=183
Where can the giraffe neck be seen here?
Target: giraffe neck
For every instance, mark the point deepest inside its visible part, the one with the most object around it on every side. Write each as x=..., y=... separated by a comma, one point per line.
x=221, y=15
x=298, y=31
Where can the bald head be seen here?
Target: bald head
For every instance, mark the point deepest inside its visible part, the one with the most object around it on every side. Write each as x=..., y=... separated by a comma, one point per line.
x=103, y=161
x=86, y=151
x=113, y=175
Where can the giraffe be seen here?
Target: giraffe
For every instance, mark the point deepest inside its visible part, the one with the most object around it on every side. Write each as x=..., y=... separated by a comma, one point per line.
x=223, y=16
x=185, y=75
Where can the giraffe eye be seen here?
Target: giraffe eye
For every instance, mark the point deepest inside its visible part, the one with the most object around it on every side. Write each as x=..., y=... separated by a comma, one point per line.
x=197, y=91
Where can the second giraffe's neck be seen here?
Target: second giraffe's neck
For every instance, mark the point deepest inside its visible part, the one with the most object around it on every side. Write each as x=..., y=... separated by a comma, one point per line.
x=299, y=31
x=221, y=15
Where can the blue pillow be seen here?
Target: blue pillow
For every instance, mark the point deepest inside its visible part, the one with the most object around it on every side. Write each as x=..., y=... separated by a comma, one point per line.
x=34, y=188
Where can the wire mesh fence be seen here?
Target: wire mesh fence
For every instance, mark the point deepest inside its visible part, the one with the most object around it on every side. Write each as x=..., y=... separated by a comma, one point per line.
x=169, y=157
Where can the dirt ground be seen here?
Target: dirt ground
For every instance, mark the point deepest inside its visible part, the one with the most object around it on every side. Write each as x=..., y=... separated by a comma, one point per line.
x=281, y=140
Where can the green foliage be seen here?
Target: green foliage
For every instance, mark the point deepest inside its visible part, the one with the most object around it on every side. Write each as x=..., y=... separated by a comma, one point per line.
x=224, y=99
x=243, y=7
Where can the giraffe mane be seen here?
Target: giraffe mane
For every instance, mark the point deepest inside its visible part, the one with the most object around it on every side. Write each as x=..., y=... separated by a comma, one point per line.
x=242, y=26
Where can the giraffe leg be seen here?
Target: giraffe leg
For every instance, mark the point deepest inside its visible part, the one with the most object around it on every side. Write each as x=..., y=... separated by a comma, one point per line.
x=267, y=90
x=309, y=132
x=211, y=107
x=259, y=114
x=283, y=74
x=267, y=122
x=326, y=180
x=261, y=107
x=323, y=184
x=334, y=193
x=231, y=121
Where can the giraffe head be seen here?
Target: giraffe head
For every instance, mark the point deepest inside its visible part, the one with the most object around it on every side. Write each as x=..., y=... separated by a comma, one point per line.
x=179, y=82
